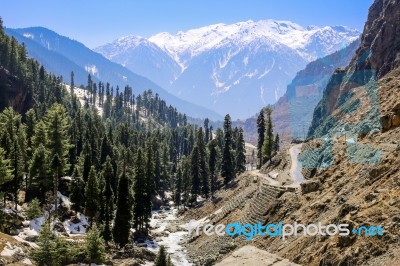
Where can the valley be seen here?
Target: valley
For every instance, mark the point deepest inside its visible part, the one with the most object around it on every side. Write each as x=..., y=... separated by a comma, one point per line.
x=260, y=142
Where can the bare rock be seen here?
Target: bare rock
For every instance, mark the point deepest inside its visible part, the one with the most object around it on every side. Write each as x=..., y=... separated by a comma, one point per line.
x=310, y=186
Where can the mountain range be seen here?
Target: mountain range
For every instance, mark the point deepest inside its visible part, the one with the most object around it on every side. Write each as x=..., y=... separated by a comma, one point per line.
x=61, y=55
x=223, y=66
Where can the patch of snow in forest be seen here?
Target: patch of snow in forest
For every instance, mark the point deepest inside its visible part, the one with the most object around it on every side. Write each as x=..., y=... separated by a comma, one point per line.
x=77, y=228
x=64, y=199
x=10, y=250
x=27, y=261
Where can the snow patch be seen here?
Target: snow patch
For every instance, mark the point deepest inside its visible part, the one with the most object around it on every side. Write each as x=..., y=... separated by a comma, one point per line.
x=77, y=228
x=9, y=250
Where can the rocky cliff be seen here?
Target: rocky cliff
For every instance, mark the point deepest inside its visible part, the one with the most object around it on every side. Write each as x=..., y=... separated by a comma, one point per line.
x=378, y=54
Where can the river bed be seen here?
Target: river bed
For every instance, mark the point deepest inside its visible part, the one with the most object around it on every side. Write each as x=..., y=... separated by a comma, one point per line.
x=170, y=232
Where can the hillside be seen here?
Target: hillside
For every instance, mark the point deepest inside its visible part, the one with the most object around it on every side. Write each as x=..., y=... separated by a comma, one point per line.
x=62, y=55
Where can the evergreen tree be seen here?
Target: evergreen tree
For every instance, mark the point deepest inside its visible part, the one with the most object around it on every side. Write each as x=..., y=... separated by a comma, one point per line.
x=227, y=168
x=57, y=125
x=261, y=136
x=77, y=195
x=72, y=85
x=208, y=133
x=55, y=167
x=212, y=165
x=276, y=144
x=85, y=161
x=95, y=246
x=161, y=259
x=195, y=173
x=139, y=188
x=44, y=255
x=268, y=146
x=205, y=186
x=178, y=188
x=33, y=211
x=40, y=181
x=240, y=160
x=108, y=198
x=92, y=195
x=150, y=184
x=123, y=214
x=186, y=173
x=50, y=251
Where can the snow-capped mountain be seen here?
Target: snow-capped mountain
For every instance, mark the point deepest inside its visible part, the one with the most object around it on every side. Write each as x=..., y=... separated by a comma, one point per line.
x=142, y=57
x=236, y=68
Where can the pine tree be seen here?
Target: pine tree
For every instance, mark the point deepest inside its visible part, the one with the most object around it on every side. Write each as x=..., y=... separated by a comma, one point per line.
x=205, y=186
x=276, y=144
x=186, y=173
x=195, y=173
x=33, y=211
x=11, y=140
x=72, y=85
x=207, y=135
x=77, y=195
x=44, y=255
x=57, y=125
x=139, y=188
x=161, y=259
x=55, y=167
x=227, y=168
x=40, y=181
x=178, y=188
x=92, y=195
x=47, y=254
x=108, y=176
x=150, y=184
x=123, y=215
x=268, y=146
x=94, y=246
x=261, y=136
x=212, y=165
x=240, y=160
x=85, y=161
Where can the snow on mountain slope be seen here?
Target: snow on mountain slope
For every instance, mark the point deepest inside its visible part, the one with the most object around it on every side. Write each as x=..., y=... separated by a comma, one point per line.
x=303, y=40
x=142, y=57
x=223, y=66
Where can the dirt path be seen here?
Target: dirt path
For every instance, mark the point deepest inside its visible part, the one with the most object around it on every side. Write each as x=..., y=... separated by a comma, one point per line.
x=295, y=169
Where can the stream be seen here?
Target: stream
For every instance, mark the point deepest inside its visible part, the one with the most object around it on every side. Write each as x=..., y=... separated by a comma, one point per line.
x=169, y=232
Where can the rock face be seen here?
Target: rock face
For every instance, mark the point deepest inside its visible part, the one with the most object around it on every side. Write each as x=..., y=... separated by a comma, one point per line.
x=381, y=38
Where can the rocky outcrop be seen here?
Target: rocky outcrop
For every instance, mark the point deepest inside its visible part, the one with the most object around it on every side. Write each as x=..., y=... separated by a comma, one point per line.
x=380, y=38
x=391, y=119
x=310, y=186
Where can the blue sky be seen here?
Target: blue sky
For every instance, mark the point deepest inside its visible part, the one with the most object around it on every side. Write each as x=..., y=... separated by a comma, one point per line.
x=97, y=22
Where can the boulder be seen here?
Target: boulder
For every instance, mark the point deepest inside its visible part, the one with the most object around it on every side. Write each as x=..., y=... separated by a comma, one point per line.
x=310, y=186
x=395, y=120
x=11, y=221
